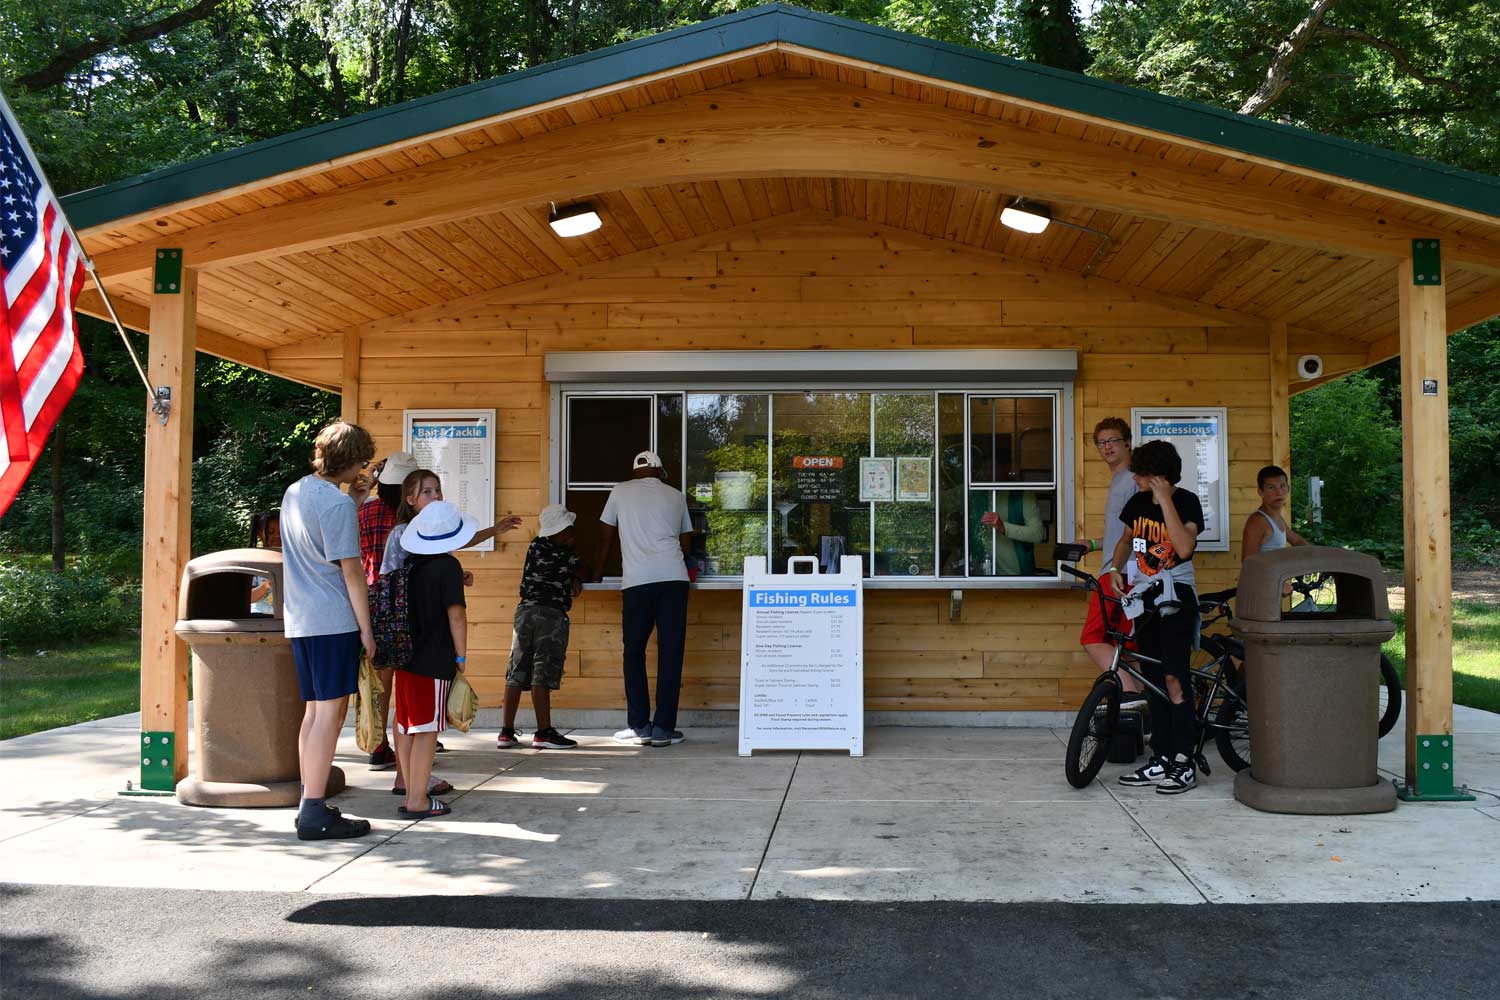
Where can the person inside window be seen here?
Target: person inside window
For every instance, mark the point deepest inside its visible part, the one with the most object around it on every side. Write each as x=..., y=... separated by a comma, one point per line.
x=1018, y=524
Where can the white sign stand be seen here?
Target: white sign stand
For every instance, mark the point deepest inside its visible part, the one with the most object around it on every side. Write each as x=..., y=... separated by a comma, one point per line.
x=802, y=677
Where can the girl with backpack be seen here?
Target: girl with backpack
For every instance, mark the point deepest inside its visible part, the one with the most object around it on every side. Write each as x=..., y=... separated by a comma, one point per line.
x=389, y=604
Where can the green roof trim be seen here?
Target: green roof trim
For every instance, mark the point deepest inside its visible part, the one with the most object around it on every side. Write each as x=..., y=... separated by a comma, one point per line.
x=1382, y=168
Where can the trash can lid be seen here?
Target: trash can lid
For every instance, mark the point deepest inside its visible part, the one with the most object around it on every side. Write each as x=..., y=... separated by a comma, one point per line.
x=1358, y=582
x=258, y=562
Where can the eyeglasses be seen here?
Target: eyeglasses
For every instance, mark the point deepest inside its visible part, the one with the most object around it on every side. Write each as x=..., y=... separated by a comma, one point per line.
x=1101, y=442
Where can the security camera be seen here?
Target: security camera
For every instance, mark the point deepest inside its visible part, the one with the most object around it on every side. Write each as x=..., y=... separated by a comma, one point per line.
x=1309, y=366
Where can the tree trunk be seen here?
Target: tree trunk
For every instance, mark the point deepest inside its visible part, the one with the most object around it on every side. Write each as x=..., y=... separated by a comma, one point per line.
x=1279, y=74
x=1049, y=29
x=403, y=49
x=59, y=545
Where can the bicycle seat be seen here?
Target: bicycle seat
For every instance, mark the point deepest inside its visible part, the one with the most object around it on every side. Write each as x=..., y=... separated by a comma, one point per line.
x=1217, y=597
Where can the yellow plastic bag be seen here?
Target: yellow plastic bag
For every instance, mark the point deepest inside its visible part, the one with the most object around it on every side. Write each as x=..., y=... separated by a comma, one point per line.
x=369, y=721
x=463, y=704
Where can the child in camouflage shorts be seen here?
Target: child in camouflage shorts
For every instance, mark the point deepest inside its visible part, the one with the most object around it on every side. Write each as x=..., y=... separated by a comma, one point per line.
x=552, y=577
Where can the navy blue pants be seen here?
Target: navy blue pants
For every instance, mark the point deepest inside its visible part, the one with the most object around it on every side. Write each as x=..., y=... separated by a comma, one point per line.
x=662, y=606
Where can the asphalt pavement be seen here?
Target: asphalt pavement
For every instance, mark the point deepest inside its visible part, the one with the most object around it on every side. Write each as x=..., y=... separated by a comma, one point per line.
x=65, y=942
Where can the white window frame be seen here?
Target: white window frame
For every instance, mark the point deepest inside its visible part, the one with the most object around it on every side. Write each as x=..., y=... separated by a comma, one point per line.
x=1060, y=390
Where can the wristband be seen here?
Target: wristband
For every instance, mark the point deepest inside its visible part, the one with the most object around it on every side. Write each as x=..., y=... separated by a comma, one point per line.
x=458, y=659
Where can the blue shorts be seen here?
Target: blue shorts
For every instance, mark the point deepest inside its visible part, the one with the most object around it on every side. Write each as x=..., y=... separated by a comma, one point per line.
x=327, y=665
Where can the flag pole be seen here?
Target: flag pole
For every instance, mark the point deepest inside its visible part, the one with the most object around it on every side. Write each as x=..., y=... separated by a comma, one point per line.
x=160, y=405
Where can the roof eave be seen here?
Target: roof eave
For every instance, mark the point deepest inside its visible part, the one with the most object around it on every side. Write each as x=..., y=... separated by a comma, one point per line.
x=1390, y=171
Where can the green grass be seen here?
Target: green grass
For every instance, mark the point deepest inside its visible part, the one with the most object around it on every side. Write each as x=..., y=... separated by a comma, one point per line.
x=1476, y=654
x=73, y=684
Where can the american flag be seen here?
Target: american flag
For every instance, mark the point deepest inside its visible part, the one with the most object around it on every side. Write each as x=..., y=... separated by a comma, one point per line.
x=41, y=266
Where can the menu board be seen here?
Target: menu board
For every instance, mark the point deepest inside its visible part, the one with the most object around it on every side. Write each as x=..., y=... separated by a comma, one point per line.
x=459, y=445
x=1201, y=437
x=802, y=658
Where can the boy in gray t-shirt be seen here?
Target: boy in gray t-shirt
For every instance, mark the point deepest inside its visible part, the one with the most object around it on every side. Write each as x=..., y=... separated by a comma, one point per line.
x=326, y=611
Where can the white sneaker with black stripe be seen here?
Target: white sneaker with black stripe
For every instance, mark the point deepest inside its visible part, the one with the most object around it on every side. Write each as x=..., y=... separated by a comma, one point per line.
x=1181, y=777
x=1150, y=773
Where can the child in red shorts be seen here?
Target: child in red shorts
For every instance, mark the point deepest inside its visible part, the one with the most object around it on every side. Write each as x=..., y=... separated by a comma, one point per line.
x=439, y=638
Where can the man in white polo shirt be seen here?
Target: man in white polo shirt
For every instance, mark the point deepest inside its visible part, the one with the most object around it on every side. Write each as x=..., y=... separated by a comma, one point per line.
x=652, y=522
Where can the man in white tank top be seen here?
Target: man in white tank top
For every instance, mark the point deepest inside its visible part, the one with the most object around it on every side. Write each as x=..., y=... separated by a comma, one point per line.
x=1267, y=528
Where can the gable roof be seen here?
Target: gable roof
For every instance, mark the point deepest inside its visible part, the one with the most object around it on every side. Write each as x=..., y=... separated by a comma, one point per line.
x=775, y=24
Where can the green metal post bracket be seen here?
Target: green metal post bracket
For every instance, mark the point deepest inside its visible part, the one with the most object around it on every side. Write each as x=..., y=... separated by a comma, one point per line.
x=1434, y=773
x=168, y=272
x=158, y=765
x=1426, y=262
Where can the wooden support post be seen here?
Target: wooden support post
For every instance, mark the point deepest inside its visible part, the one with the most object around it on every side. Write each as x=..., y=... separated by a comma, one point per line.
x=167, y=527
x=1429, y=571
x=349, y=387
x=1281, y=414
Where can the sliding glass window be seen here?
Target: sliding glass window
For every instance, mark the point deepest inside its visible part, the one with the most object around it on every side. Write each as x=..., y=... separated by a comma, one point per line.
x=903, y=479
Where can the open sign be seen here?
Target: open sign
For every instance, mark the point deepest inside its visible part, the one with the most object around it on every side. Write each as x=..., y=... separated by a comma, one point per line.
x=818, y=462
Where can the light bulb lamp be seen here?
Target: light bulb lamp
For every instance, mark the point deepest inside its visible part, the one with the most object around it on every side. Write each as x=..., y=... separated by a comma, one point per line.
x=573, y=220
x=1032, y=217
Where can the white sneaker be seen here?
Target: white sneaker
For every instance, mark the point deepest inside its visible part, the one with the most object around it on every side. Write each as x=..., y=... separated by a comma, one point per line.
x=634, y=737
x=1181, y=777
x=1150, y=773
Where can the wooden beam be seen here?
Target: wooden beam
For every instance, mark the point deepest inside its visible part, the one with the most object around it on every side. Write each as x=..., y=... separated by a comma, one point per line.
x=167, y=519
x=1424, y=469
x=791, y=127
x=1460, y=317
x=349, y=389
x=1281, y=418
x=211, y=341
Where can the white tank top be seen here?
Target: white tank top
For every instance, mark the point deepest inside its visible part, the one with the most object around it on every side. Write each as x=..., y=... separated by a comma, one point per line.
x=1277, y=538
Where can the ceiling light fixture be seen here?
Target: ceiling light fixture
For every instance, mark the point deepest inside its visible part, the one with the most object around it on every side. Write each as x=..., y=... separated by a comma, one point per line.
x=1031, y=217
x=573, y=220
x=1028, y=217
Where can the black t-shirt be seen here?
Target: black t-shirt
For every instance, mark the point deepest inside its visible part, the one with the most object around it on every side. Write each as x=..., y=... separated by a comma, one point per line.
x=436, y=584
x=548, y=576
x=1152, y=548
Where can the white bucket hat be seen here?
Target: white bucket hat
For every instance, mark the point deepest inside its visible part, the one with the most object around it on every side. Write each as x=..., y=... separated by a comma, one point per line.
x=555, y=518
x=438, y=528
x=647, y=460
x=398, y=466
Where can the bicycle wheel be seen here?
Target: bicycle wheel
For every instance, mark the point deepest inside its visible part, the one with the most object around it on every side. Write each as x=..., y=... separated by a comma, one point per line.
x=1088, y=743
x=1232, y=732
x=1390, y=695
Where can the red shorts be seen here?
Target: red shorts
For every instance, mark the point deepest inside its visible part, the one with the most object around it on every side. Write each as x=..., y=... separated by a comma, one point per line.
x=1093, y=626
x=421, y=704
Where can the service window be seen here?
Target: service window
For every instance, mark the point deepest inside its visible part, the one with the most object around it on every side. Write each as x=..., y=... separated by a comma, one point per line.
x=902, y=478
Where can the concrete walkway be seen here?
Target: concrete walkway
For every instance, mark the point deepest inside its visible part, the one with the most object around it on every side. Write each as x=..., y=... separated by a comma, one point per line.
x=929, y=814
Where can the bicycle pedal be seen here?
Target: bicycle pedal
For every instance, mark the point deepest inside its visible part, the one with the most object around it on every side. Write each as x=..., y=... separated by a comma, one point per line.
x=1202, y=763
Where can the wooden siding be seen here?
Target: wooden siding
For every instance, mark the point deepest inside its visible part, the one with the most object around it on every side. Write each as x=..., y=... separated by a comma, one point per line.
x=815, y=283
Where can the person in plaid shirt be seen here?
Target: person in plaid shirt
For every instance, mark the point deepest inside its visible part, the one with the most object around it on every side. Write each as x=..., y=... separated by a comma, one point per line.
x=377, y=516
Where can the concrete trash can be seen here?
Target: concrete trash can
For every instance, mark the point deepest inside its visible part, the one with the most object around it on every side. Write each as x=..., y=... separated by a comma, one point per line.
x=247, y=704
x=1313, y=682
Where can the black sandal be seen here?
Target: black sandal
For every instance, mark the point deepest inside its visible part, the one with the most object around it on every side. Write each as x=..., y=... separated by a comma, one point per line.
x=435, y=807
x=443, y=787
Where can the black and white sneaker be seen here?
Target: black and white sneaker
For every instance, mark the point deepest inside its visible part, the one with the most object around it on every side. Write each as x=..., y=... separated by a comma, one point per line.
x=1132, y=700
x=1181, y=777
x=1150, y=773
